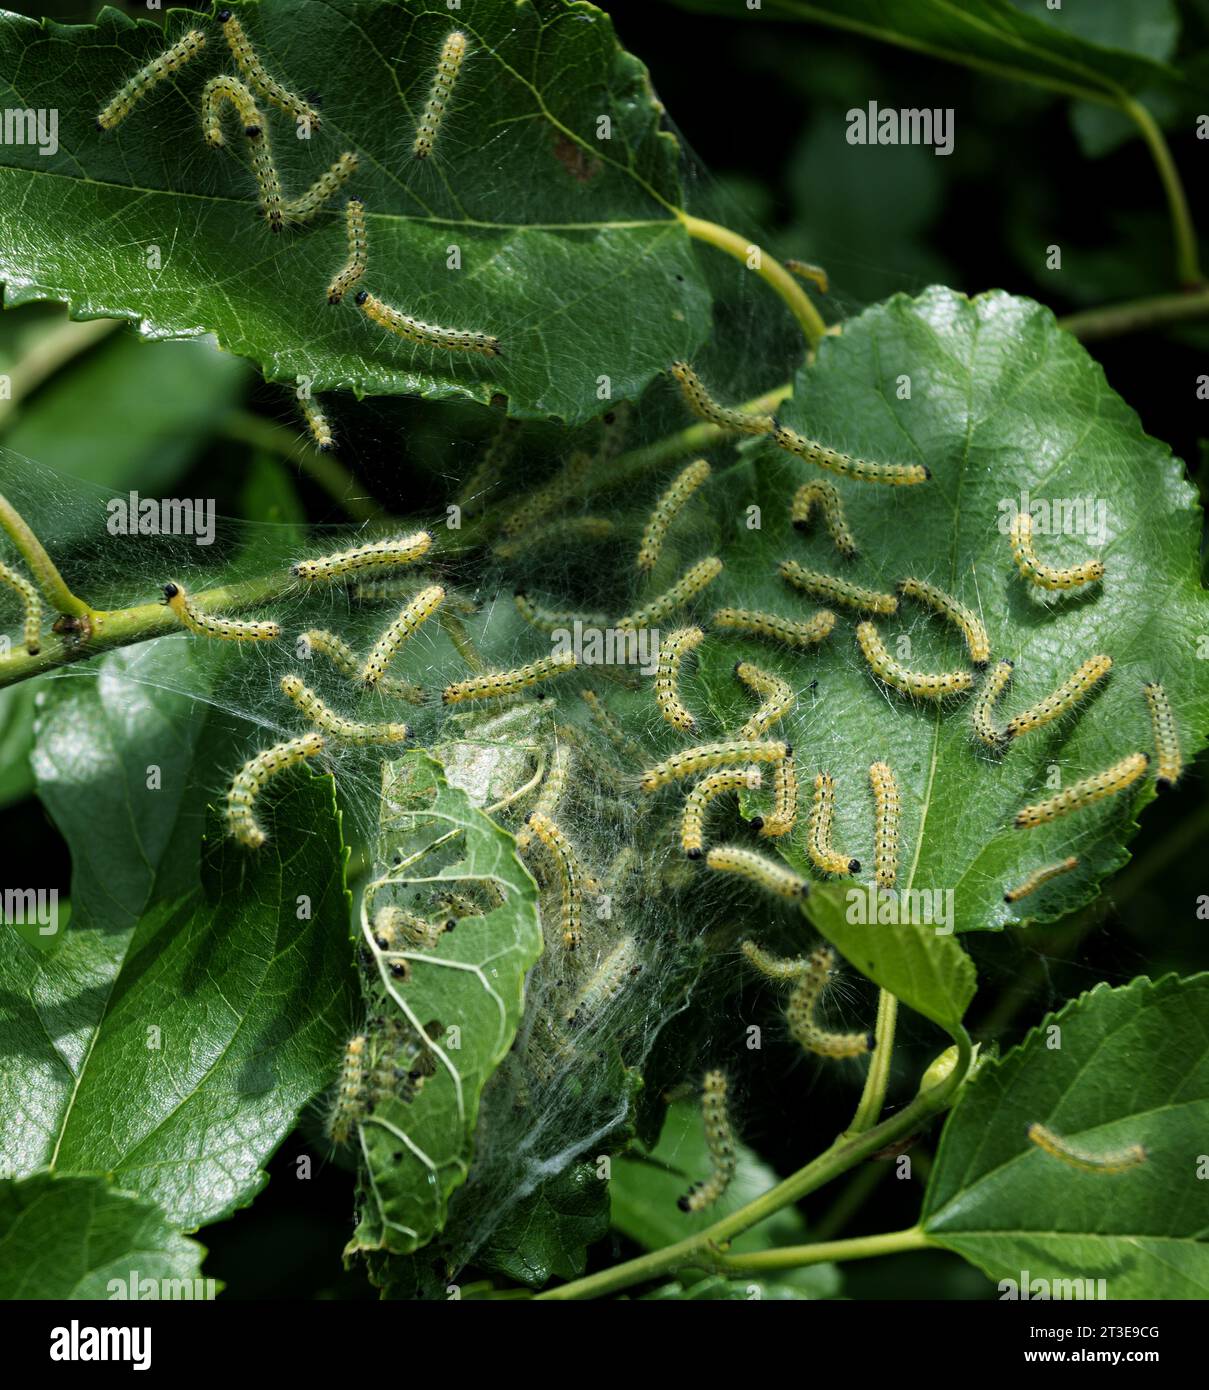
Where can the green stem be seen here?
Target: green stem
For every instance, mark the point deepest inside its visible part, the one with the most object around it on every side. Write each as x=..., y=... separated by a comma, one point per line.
x=1177, y=202
x=873, y=1097
x=767, y=267
x=845, y=1153
x=52, y=351
x=41, y=566
x=1152, y=312
x=823, y=1251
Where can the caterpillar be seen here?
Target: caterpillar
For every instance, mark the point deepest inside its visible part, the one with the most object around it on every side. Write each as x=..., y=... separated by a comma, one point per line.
x=775, y=967
x=826, y=497
x=1116, y=1161
x=805, y=271
x=215, y=93
x=778, y=696
x=494, y=685
x=372, y=558
x=818, y=841
x=1087, y=792
x=920, y=685
x=621, y=964
x=253, y=69
x=429, y=334
x=317, y=423
x=1047, y=576
x=672, y=651
x=394, y=928
x=410, y=618
x=692, y=823
x=708, y=755
x=155, y=71
x=267, y=179
x=720, y=1141
x=887, y=813
x=892, y=474
x=800, y=1011
x=843, y=591
x=31, y=632
x=1067, y=695
x=1166, y=734
x=1039, y=877
x=703, y=405
x=567, y=483
x=773, y=628
x=967, y=622
x=490, y=469
x=209, y=625
x=250, y=780
x=564, y=532
x=981, y=716
x=348, y=1105
x=614, y=429
x=687, y=587
x=785, y=802
x=570, y=875
x=604, y=721
x=553, y=619
x=553, y=787
x=302, y=209
x=340, y=655
x=683, y=486
x=358, y=252
x=449, y=64
x=765, y=873
x=335, y=724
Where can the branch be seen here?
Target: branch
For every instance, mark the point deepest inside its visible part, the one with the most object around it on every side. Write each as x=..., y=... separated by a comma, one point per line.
x=1155, y=311
x=41, y=566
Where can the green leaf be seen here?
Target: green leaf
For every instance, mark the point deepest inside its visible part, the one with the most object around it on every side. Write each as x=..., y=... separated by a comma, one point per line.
x=560, y=233
x=190, y=1011
x=1115, y=1067
x=546, y=1235
x=82, y=1238
x=468, y=995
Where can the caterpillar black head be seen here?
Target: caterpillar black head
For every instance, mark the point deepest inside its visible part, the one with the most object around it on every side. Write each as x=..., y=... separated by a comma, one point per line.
x=170, y=591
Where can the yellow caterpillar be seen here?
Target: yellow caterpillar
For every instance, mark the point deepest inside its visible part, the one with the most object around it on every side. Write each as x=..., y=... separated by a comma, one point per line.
x=778, y=697
x=208, y=625
x=429, y=334
x=828, y=586
x=785, y=802
x=364, y=559
x=1166, y=734
x=621, y=964
x=495, y=685
x=253, y=69
x=358, y=252
x=604, y=721
x=1085, y=793
x=336, y=724
x=449, y=64
x=982, y=715
x=395, y=928
x=687, y=587
x=892, y=474
x=800, y=1011
x=692, y=823
x=32, y=624
x=685, y=484
x=570, y=875
x=267, y=178
x=341, y=656
x=1047, y=576
x=155, y=71
x=1039, y=877
x=815, y=274
x=818, y=842
x=775, y=967
x=348, y=1106
x=703, y=405
x=719, y=1139
x=920, y=685
x=1067, y=695
x=765, y=873
x=887, y=813
x=672, y=651
x=317, y=423
x=967, y=622
x=553, y=787
x=303, y=209
x=215, y=94
x=709, y=755
x=1117, y=1161
x=250, y=780
x=411, y=617
x=826, y=497
x=773, y=628
x=551, y=619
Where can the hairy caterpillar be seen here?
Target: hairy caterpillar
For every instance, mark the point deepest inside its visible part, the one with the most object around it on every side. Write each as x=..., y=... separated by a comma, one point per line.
x=267, y=179
x=981, y=716
x=703, y=405
x=800, y=1010
x=606, y=981
x=552, y=619
x=31, y=633
x=394, y=928
x=250, y=780
x=1166, y=735
x=429, y=334
x=1047, y=576
x=1087, y=792
x=826, y=497
x=604, y=721
x=775, y=967
x=692, y=823
x=785, y=802
x=410, y=618
x=773, y=628
x=683, y=486
x=672, y=651
x=348, y=1105
x=372, y=558
x=358, y=252
x=892, y=474
x=494, y=685
x=489, y=471
x=566, y=484
x=335, y=724
x=565, y=532
x=208, y=625
x=222, y=89
x=341, y=656
x=553, y=786
x=317, y=423
x=303, y=208
x=818, y=841
x=253, y=69
x=720, y=1141
x=1039, y=877
x=778, y=696
x=887, y=812
x=920, y=685
x=687, y=587
x=155, y=71
x=829, y=586
x=449, y=64
x=1116, y=1161
x=1067, y=695
x=968, y=623
x=570, y=875
x=805, y=271
x=707, y=755
x=765, y=873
